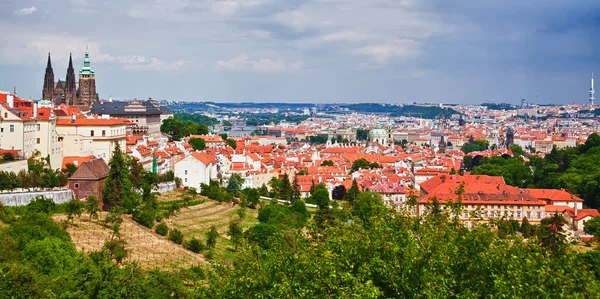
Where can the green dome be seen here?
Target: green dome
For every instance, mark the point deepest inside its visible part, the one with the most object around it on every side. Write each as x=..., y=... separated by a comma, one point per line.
x=378, y=132
x=87, y=68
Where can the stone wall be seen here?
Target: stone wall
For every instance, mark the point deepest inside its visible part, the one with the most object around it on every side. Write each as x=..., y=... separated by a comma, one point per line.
x=24, y=198
x=166, y=187
x=14, y=166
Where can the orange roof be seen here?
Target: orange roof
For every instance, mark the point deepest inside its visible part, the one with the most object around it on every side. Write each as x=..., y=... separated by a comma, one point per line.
x=553, y=195
x=205, y=158
x=75, y=160
x=89, y=122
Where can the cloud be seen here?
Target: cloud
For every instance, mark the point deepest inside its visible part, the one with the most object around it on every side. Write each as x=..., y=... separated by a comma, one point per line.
x=344, y=36
x=263, y=65
x=382, y=53
x=25, y=11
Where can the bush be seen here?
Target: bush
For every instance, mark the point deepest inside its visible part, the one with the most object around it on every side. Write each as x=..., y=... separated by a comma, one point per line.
x=194, y=245
x=8, y=156
x=144, y=217
x=162, y=229
x=176, y=236
x=42, y=204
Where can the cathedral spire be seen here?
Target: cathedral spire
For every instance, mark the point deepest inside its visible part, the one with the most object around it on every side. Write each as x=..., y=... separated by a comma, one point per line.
x=49, y=64
x=70, y=79
x=48, y=91
x=87, y=68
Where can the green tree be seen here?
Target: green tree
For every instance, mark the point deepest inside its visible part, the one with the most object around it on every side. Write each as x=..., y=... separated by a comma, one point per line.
x=353, y=192
x=231, y=143
x=327, y=163
x=361, y=163
x=235, y=183
x=50, y=255
x=161, y=229
x=592, y=227
x=198, y=144
x=235, y=232
x=525, y=228
x=362, y=134
x=295, y=190
x=194, y=245
x=117, y=187
x=211, y=237
x=73, y=208
x=176, y=236
x=367, y=205
x=285, y=190
x=91, y=207
x=321, y=197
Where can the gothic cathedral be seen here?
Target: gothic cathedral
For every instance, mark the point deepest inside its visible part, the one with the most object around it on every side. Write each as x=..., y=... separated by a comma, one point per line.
x=68, y=92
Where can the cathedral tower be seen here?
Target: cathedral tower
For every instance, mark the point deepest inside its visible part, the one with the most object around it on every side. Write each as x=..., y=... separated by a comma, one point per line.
x=70, y=85
x=86, y=94
x=48, y=90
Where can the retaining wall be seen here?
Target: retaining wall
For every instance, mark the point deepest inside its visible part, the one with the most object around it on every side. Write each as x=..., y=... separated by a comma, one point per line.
x=24, y=198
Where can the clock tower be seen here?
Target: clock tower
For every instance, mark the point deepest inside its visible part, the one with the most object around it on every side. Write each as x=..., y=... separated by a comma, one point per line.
x=86, y=95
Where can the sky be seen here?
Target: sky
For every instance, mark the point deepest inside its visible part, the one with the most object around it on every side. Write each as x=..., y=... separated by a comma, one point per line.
x=317, y=51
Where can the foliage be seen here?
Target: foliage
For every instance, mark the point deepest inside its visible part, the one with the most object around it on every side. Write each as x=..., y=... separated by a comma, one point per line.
x=252, y=196
x=475, y=146
x=50, y=255
x=295, y=190
x=235, y=232
x=367, y=205
x=145, y=216
x=73, y=208
x=211, y=237
x=317, y=139
x=362, y=163
x=8, y=156
x=235, y=183
x=194, y=245
x=41, y=204
x=327, y=163
x=70, y=168
x=183, y=125
x=161, y=229
x=338, y=192
x=513, y=169
x=198, y=144
x=362, y=135
x=231, y=143
x=404, y=110
x=320, y=197
x=592, y=227
x=91, y=207
x=117, y=187
x=353, y=192
x=117, y=250
x=176, y=236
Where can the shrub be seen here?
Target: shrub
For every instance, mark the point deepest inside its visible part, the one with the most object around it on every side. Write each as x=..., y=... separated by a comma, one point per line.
x=176, y=236
x=162, y=229
x=144, y=217
x=194, y=245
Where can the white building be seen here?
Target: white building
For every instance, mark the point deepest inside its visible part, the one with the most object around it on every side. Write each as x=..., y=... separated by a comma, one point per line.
x=197, y=168
x=91, y=136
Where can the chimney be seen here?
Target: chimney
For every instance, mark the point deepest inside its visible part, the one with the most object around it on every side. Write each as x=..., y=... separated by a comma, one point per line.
x=73, y=118
x=10, y=100
x=35, y=110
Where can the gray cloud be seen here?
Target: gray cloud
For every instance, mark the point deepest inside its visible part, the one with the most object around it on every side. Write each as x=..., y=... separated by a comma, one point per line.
x=312, y=50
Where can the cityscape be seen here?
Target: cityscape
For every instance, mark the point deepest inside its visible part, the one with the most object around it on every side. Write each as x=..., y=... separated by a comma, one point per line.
x=161, y=196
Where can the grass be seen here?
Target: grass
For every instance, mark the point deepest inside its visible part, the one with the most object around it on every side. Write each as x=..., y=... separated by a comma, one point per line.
x=583, y=247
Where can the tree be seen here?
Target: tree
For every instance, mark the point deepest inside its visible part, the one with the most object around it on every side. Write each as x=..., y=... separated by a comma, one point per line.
x=8, y=156
x=70, y=168
x=235, y=183
x=194, y=245
x=367, y=205
x=136, y=170
x=362, y=134
x=176, y=236
x=235, y=232
x=353, y=192
x=361, y=163
x=211, y=237
x=231, y=143
x=525, y=228
x=117, y=187
x=226, y=123
x=302, y=172
x=162, y=229
x=116, y=249
x=50, y=255
x=73, y=208
x=327, y=163
x=551, y=232
x=197, y=144
x=113, y=220
x=592, y=227
x=321, y=197
x=285, y=190
x=295, y=189
x=339, y=192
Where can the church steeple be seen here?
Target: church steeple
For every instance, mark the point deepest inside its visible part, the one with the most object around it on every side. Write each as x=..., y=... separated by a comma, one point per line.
x=70, y=86
x=48, y=90
x=87, y=68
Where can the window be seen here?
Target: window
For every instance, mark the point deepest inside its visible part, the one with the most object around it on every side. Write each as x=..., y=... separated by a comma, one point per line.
x=185, y=180
x=76, y=185
x=11, y=128
x=38, y=127
x=103, y=133
x=1, y=130
x=5, y=115
x=186, y=171
x=38, y=141
x=92, y=133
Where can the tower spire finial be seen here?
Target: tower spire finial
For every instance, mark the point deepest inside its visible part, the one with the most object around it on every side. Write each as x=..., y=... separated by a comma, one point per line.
x=49, y=64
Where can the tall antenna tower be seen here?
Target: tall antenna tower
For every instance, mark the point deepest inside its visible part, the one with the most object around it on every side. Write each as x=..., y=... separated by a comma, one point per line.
x=592, y=92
